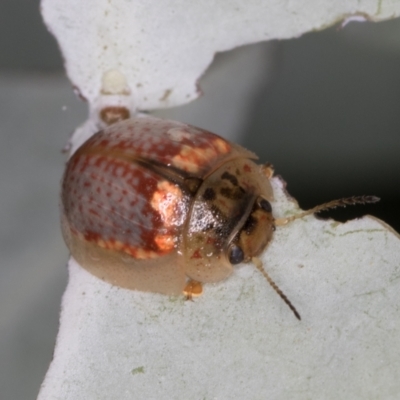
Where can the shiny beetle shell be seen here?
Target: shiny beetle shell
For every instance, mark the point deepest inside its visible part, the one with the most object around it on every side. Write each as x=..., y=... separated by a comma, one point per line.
x=148, y=204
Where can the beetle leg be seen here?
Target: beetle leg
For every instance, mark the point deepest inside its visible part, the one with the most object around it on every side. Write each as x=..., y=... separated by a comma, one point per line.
x=268, y=170
x=192, y=289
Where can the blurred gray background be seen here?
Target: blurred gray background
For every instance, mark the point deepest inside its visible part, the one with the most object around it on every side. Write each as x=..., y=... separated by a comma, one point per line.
x=324, y=109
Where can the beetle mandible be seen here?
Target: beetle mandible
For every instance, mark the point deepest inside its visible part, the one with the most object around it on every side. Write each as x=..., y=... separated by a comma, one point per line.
x=161, y=206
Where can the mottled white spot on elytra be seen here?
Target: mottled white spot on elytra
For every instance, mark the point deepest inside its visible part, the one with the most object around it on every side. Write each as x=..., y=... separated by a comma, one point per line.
x=142, y=254
x=165, y=242
x=119, y=171
x=191, y=159
x=178, y=134
x=222, y=146
x=166, y=200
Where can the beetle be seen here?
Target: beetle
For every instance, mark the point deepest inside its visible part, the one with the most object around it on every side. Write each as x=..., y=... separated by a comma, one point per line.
x=161, y=206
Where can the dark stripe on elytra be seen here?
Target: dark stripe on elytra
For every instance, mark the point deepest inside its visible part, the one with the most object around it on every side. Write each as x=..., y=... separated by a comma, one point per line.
x=231, y=178
x=189, y=184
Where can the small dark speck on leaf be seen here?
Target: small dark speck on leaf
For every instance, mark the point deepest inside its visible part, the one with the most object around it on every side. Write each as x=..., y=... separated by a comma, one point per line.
x=138, y=370
x=166, y=94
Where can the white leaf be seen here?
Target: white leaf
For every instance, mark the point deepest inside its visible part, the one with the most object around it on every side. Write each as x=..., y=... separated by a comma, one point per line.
x=160, y=49
x=239, y=340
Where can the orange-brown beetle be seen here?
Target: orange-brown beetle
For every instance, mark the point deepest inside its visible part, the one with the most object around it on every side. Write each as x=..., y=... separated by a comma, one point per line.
x=161, y=206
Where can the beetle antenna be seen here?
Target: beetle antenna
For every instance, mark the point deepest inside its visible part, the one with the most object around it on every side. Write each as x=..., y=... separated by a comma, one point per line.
x=257, y=262
x=348, y=201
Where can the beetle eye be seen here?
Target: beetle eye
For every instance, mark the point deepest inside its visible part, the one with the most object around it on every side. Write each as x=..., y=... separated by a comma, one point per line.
x=265, y=205
x=236, y=255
